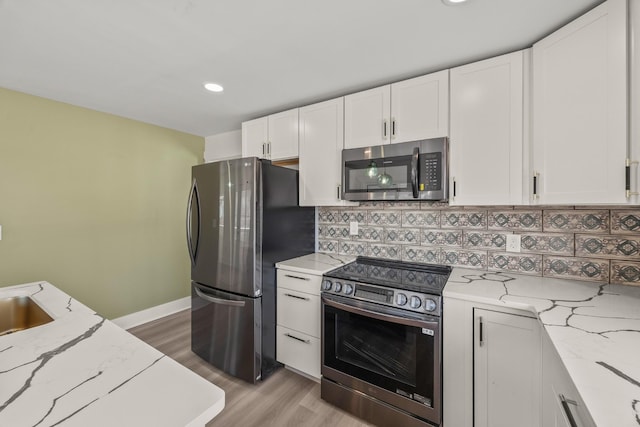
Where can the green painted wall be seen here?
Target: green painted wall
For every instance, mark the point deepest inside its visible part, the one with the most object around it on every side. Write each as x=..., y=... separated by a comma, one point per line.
x=93, y=203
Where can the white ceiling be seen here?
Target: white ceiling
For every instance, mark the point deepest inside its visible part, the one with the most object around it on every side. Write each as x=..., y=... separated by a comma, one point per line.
x=147, y=59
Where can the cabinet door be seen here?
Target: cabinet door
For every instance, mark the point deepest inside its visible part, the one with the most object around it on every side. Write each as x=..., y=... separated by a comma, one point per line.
x=556, y=386
x=580, y=109
x=321, y=141
x=487, y=131
x=254, y=138
x=283, y=135
x=366, y=118
x=507, y=370
x=420, y=108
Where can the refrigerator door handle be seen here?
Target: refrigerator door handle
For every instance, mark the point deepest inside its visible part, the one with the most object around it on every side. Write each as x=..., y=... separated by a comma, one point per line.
x=214, y=300
x=192, y=193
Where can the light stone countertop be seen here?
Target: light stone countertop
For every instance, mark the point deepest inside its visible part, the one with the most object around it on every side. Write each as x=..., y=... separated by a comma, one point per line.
x=594, y=327
x=316, y=263
x=83, y=370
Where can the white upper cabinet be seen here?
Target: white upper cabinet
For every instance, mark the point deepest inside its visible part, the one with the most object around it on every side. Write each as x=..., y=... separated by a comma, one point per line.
x=580, y=143
x=283, y=135
x=274, y=137
x=321, y=143
x=634, y=93
x=420, y=107
x=486, y=142
x=255, y=134
x=366, y=117
x=412, y=109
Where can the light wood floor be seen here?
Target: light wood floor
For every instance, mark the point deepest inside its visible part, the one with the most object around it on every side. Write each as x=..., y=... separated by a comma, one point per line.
x=283, y=399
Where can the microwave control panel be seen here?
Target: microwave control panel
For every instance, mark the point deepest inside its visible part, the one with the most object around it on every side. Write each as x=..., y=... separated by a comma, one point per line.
x=430, y=171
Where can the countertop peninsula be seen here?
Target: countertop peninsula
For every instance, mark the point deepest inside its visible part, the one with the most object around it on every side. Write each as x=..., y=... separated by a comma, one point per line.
x=83, y=370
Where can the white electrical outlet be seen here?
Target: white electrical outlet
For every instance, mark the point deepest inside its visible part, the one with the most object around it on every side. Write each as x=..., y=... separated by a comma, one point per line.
x=513, y=242
x=0, y=232
x=353, y=228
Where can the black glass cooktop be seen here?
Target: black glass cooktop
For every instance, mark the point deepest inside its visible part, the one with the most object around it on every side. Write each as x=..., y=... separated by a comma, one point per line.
x=427, y=278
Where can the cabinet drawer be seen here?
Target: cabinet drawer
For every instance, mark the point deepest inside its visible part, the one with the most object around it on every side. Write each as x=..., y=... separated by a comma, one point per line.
x=303, y=282
x=298, y=351
x=299, y=311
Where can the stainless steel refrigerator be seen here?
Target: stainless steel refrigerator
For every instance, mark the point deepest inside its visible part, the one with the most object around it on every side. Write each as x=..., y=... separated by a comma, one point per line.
x=243, y=217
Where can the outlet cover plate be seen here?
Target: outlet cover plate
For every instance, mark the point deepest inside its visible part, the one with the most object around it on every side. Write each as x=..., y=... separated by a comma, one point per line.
x=513, y=242
x=353, y=228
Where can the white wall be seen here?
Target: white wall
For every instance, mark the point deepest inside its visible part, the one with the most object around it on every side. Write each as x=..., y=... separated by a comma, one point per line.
x=223, y=146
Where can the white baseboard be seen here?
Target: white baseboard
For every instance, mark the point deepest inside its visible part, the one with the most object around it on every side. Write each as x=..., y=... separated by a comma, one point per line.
x=153, y=313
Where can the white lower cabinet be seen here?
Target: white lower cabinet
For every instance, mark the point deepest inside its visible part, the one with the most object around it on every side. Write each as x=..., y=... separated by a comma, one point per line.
x=298, y=321
x=506, y=369
x=491, y=366
x=299, y=351
x=299, y=310
x=561, y=403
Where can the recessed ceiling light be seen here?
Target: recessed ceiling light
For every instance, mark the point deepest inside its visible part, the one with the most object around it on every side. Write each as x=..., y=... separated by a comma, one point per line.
x=213, y=87
x=453, y=2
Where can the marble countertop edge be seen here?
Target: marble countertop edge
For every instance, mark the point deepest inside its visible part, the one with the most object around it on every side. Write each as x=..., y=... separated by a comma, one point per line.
x=315, y=263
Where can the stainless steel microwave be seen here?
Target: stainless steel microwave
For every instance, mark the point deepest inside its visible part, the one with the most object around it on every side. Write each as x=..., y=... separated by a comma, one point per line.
x=416, y=170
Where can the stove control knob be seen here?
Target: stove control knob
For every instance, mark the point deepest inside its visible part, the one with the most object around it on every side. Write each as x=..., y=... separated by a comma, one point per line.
x=337, y=287
x=348, y=289
x=415, y=302
x=401, y=299
x=430, y=305
x=326, y=285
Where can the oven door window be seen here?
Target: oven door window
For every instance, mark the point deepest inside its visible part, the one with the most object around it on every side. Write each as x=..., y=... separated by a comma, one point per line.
x=395, y=357
x=378, y=175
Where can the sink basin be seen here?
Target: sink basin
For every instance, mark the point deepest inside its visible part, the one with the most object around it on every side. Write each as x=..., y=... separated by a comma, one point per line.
x=19, y=313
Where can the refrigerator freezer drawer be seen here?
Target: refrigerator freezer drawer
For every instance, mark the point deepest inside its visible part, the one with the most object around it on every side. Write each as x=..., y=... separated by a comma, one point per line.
x=226, y=331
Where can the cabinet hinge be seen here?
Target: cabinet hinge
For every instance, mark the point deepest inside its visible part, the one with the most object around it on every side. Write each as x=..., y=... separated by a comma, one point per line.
x=627, y=178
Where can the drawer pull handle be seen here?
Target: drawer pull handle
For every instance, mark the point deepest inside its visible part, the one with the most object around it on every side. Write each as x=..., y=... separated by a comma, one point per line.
x=298, y=339
x=296, y=277
x=567, y=409
x=297, y=297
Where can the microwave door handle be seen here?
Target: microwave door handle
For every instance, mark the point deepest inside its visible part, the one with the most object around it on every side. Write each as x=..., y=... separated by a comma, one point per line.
x=414, y=171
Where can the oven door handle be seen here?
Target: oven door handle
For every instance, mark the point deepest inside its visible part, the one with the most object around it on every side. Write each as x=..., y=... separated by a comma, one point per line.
x=432, y=325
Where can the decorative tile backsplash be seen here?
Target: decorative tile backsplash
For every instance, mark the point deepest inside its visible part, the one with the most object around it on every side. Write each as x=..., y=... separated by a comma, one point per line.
x=584, y=243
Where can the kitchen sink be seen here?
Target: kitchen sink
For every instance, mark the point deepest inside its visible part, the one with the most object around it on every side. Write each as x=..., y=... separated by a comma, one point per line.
x=19, y=313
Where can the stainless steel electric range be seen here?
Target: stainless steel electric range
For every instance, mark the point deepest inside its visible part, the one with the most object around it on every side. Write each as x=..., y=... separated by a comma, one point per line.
x=381, y=341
